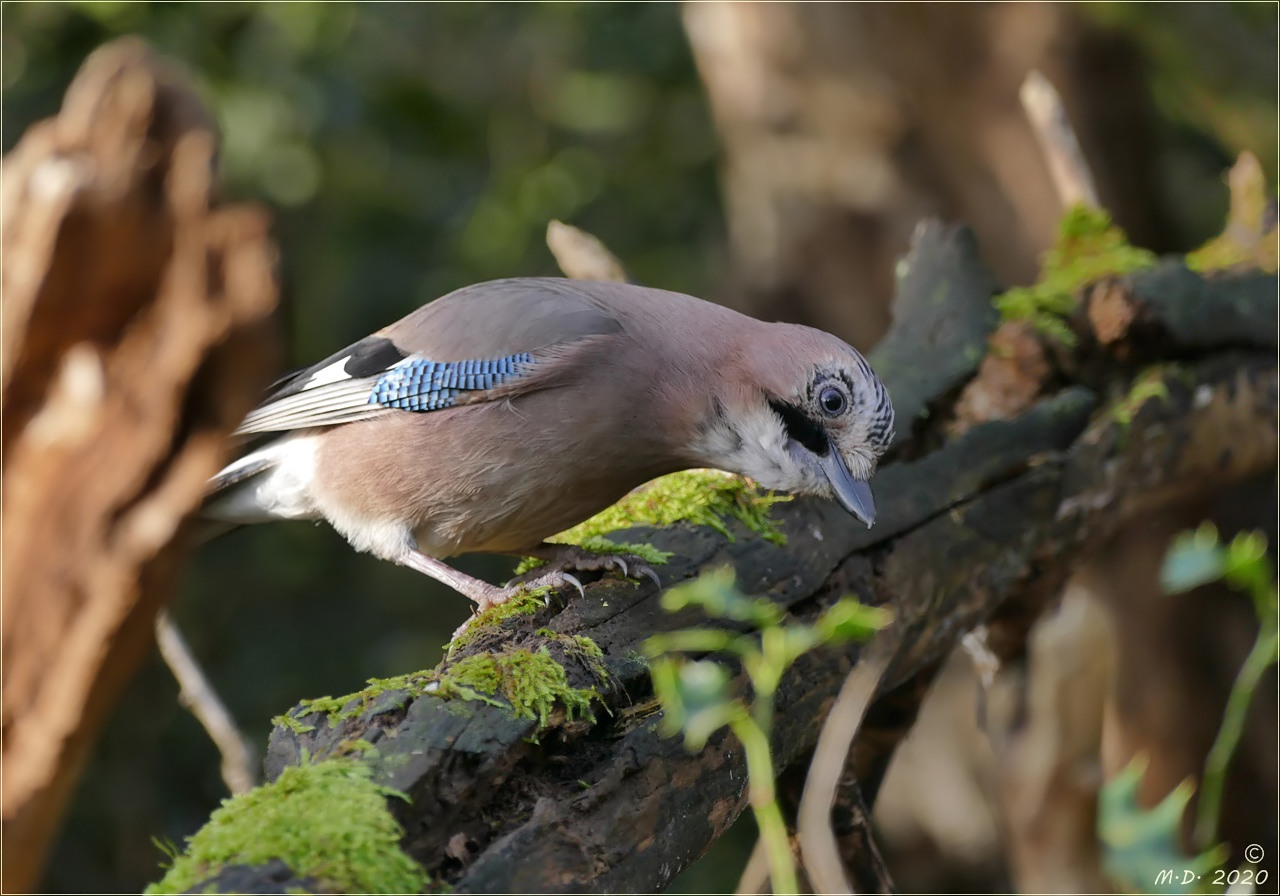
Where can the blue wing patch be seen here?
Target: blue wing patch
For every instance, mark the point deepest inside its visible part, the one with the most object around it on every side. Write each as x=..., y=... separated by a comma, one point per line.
x=417, y=384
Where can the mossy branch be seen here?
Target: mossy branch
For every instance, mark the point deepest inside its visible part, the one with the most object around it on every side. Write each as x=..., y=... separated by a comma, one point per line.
x=969, y=523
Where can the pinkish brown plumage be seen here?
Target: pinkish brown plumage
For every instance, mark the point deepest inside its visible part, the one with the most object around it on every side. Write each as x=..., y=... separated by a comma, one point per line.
x=508, y=411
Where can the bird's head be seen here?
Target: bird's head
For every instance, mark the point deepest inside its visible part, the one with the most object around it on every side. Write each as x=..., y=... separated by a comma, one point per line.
x=803, y=412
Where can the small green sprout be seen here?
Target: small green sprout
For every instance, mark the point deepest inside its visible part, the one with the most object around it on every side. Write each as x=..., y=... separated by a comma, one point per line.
x=1198, y=558
x=1140, y=843
x=697, y=695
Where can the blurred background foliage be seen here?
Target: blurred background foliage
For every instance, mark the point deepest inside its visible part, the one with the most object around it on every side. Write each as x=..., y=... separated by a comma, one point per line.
x=1211, y=72
x=407, y=150
x=412, y=148
x=1211, y=67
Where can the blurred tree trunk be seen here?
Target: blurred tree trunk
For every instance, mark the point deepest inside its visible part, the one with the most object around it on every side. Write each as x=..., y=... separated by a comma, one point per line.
x=844, y=124
x=133, y=343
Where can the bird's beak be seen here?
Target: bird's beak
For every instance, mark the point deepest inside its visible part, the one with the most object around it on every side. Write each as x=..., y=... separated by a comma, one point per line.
x=854, y=495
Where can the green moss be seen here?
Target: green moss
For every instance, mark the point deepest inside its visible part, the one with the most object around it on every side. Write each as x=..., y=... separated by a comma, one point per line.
x=414, y=682
x=472, y=678
x=334, y=708
x=577, y=645
x=290, y=723
x=530, y=682
x=1089, y=248
x=355, y=748
x=328, y=821
x=523, y=603
x=1148, y=385
x=702, y=497
x=581, y=648
x=339, y=709
x=600, y=545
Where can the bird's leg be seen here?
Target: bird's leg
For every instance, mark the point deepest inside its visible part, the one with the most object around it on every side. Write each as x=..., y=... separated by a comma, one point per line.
x=482, y=593
x=563, y=557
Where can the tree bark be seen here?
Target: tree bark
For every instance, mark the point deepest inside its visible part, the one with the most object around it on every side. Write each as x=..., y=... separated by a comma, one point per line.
x=133, y=344
x=979, y=516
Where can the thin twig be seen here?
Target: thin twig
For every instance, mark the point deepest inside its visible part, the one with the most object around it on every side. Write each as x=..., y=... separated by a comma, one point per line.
x=1057, y=141
x=851, y=820
x=817, y=840
x=198, y=695
x=985, y=662
x=581, y=255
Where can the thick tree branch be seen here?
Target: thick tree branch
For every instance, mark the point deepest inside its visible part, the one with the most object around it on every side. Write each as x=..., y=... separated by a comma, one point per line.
x=969, y=523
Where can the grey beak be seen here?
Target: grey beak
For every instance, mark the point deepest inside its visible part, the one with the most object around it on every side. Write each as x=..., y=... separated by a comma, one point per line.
x=854, y=495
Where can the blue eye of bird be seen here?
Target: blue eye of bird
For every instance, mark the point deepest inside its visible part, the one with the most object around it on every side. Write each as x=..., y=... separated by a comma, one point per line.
x=833, y=401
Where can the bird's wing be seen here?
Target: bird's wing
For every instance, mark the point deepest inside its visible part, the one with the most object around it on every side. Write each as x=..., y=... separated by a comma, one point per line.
x=481, y=343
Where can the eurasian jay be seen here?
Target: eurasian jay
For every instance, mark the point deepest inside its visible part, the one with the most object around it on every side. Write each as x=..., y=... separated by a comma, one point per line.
x=508, y=411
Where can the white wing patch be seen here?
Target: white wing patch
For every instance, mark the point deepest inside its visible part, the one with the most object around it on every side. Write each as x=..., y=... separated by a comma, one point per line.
x=334, y=373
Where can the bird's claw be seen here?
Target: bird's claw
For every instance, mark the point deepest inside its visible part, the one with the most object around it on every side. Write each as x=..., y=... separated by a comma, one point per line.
x=562, y=557
x=560, y=577
x=554, y=579
x=539, y=577
x=648, y=571
x=637, y=569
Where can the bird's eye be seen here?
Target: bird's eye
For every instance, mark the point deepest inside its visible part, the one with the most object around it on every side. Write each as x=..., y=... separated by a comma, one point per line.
x=833, y=401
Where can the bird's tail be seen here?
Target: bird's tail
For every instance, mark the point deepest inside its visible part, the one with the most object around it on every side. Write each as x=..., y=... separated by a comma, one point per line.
x=207, y=530
x=231, y=499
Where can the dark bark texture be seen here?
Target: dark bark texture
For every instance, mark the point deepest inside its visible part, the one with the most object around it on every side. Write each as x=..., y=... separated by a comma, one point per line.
x=983, y=513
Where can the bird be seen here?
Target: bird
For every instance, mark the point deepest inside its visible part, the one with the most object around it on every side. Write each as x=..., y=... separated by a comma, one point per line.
x=507, y=411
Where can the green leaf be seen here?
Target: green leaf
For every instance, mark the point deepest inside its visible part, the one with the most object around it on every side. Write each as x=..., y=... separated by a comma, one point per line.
x=1195, y=559
x=696, y=699
x=1198, y=558
x=1247, y=567
x=849, y=620
x=696, y=640
x=717, y=594
x=783, y=645
x=1139, y=844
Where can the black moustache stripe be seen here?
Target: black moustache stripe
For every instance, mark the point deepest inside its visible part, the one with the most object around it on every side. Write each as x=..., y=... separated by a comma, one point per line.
x=801, y=428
